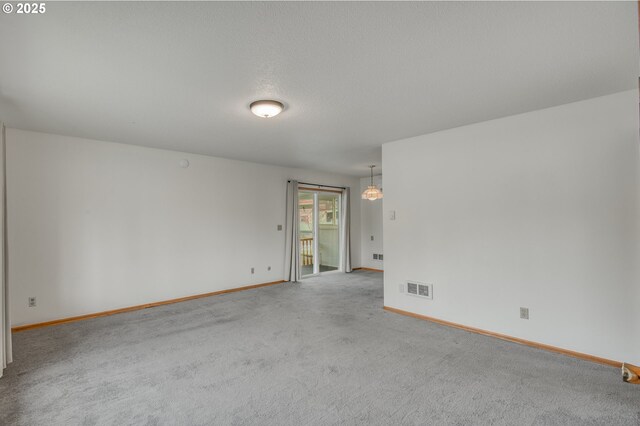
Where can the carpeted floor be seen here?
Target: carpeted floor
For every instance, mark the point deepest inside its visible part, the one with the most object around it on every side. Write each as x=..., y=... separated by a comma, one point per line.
x=321, y=352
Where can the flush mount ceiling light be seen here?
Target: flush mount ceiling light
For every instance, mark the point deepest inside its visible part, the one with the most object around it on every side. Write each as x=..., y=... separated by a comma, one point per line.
x=266, y=108
x=372, y=192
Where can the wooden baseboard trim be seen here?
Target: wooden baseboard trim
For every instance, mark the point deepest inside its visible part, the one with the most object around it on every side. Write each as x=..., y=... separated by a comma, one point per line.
x=368, y=269
x=549, y=348
x=137, y=307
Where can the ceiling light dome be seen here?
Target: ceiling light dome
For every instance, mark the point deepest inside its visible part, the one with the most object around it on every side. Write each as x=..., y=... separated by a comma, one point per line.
x=372, y=192
x=266, y=108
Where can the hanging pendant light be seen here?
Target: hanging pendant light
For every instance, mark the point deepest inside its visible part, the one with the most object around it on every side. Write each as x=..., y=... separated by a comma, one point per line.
x=372, y=192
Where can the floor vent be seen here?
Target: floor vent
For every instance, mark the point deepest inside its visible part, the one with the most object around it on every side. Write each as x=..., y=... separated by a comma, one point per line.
x=420, y=289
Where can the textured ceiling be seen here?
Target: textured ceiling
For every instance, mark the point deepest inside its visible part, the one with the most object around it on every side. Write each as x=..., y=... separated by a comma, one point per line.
x=353, y=75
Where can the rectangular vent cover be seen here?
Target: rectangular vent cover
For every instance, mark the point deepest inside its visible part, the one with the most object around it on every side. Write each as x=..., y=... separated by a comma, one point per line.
x=420, y=289
x=424, y=290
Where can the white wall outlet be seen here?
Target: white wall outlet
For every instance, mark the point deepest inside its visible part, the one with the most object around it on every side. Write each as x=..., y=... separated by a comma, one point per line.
x=392, y=215
x=268, y=268
x=279, y=227
x=372, y=238
x=32, y=302
x=253, y=270
x=524, y=313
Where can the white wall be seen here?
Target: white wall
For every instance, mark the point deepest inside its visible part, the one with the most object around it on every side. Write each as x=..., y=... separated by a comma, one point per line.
x=637, y=286
x=95, y=226
x=371, y=220
x=537, y=210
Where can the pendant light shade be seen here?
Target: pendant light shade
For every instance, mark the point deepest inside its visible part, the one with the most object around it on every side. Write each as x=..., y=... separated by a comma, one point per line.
x=372, y=192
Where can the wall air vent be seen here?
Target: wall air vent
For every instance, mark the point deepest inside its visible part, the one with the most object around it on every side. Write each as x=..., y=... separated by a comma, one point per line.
x=415, y=288
x=424, y=290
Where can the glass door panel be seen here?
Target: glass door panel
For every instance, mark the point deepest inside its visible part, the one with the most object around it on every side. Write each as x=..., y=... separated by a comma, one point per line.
x=306, y=231
x=328, y=231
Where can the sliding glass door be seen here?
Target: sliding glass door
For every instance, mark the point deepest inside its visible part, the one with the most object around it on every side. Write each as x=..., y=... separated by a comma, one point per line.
x=319, y=230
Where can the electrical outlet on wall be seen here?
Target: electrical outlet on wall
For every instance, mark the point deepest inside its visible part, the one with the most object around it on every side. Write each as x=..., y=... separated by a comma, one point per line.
x=372, y=238
x=380, y=257
x=375, y=257
x=524, y=313
x=253, y=270
x=32, y=302
x=268, y=268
